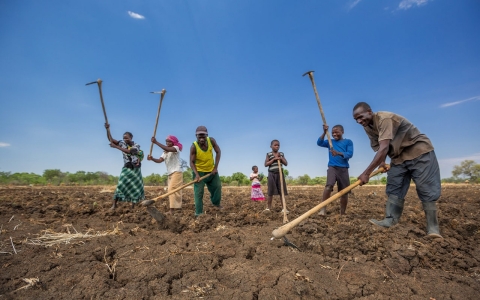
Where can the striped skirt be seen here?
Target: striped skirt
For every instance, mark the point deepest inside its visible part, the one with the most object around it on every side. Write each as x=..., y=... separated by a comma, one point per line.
x=130, y=186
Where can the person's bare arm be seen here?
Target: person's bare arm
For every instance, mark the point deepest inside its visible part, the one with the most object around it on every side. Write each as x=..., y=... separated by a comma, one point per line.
x=157, y=160
x=109, y=136
x=116, y=146
x=325, y=129
x=193, y=158
x=283, y=160
x=378, y=160
x=268, y=162
x=218, y=154
x=164, y=147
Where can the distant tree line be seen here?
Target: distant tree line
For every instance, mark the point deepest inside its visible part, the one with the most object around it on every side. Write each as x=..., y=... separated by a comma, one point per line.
x=467, y=171
x=57, y=177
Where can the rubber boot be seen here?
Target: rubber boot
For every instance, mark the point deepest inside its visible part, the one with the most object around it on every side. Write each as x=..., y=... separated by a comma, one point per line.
x=430, y=209
x=393, y=212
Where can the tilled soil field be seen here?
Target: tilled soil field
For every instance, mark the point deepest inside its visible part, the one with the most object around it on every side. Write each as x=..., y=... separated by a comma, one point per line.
x=65, y=243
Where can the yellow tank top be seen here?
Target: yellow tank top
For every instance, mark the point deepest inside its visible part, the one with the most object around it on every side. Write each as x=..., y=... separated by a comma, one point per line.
x=204, y=161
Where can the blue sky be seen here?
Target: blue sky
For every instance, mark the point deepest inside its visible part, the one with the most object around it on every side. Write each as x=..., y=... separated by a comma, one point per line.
x=235, y=67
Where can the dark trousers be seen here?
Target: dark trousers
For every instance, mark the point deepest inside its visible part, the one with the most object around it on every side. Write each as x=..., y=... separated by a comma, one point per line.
x=425, y=173
x=273, y=184
x=214, y=186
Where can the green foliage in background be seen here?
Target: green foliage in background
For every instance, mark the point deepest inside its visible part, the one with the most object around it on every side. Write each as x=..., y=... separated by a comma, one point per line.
x=57, y=177
x=467, y=171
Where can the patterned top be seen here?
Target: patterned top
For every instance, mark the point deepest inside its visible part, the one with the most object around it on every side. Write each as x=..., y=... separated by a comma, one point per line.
x=274, y=166
x=135, y=156
x=406, y=141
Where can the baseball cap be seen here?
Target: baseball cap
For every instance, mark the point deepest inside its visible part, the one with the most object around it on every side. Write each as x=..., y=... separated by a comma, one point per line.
x=201, y=129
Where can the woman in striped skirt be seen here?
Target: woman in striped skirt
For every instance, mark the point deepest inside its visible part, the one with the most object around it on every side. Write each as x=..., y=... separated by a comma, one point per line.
x=130, y=183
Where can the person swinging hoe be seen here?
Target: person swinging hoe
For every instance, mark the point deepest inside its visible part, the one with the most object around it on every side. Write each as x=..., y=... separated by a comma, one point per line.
x=130, y=183
x=202, y=163
x=412, y=158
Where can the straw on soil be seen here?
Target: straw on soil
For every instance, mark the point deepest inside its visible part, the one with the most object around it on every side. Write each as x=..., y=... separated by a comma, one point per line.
x=51, y=238
x=30, y=282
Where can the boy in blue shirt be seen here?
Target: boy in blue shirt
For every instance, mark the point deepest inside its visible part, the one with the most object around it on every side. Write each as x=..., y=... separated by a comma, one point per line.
x=337, y=164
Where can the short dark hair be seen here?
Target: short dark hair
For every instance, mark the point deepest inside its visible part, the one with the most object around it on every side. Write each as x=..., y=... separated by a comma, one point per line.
x=273, y=141
x=129, y=134
x=363, y=105
x=254, y=167
x=339, y=126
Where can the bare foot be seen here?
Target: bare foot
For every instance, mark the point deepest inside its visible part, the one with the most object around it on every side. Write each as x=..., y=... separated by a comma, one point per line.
x=114, y=205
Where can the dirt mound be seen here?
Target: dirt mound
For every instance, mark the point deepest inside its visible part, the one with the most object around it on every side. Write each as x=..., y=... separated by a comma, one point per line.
x=97, y=253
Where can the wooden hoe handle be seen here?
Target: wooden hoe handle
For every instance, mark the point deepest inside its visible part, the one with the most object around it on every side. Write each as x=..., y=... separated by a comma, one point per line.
x=285, y=219
x=283, y=230
x=162, y=94
x=99, y=83
x=179, y=188
x=310, y=74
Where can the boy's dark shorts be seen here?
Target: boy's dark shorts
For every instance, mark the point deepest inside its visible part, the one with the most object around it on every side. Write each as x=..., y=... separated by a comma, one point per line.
x=273, y=183
x=338, y=175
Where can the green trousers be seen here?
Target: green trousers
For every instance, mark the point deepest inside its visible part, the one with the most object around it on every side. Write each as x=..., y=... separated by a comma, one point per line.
x=214, y=186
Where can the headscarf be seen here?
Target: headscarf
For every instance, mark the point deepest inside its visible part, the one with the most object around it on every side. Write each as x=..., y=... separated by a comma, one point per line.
x=175, y=141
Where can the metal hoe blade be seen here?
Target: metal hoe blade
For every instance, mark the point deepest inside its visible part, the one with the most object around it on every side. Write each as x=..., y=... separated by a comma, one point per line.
x=147, y=202
x=158, y=216
x=288, y=243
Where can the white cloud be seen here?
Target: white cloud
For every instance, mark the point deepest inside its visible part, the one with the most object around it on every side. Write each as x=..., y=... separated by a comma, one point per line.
x=4, y=145
x=407, y=4
x=460, y=101
x=135, y=15
x=353, y=3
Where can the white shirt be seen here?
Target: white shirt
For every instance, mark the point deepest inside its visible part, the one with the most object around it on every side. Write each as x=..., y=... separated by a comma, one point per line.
x=172, y=161
x=255, y=180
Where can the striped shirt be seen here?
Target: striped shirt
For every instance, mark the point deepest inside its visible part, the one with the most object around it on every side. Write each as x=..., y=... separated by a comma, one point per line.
x=274, y=166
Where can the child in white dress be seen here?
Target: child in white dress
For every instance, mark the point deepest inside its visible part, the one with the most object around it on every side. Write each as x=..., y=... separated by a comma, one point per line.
x=255, y=178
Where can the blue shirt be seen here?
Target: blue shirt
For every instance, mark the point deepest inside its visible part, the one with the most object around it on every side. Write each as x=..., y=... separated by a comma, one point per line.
x=344, y=146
